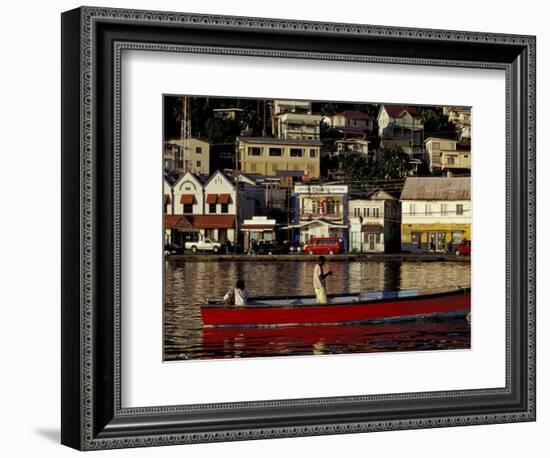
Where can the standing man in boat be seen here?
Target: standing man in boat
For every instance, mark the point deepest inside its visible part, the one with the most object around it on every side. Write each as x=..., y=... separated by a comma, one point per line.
x=319, y=283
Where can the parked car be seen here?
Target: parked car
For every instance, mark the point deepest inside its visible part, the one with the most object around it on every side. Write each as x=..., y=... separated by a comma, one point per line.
x=172, y=248
x=204, y=245
x=464, y=248
x=271, y=248
x=323, y=245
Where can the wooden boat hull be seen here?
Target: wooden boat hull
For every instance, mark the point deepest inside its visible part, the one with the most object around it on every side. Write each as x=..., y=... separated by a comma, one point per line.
x=454, y=302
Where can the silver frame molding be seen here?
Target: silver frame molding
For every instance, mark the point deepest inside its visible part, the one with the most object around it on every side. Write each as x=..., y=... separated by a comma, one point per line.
x=93, y=41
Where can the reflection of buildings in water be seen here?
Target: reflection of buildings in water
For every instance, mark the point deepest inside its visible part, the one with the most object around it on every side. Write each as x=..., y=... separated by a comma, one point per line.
x=392, y=276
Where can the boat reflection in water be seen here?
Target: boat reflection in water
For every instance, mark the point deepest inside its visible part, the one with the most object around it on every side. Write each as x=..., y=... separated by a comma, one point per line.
x=187, y=284
x=246, y=342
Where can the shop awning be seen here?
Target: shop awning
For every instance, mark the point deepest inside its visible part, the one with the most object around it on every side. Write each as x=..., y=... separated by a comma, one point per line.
x=170, y=221
x=223, y=199
x=179, y=222
x=316, y=221
x=166, y=199
x=372, y=228
x=211, y=198
x=258, y=227
x=187, y=199
x=184, y=225
x=214, y=221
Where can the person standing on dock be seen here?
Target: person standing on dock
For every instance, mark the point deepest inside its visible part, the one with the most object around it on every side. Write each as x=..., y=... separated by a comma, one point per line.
x=319, y=283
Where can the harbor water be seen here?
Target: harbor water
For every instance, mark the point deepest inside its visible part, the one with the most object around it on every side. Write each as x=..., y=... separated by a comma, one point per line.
x=189, y=284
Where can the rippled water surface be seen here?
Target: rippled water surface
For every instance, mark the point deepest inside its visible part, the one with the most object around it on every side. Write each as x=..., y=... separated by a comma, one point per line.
x=188, y=284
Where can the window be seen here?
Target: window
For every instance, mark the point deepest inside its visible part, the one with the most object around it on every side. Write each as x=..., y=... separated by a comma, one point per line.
x=225, y=208
x=312, y=153
x=296, y=152
x=198, y=150
x=211, y=208
x=314, y=207
x=254, y=151
x=356, y=212
x=367, y=211
x=443, y=209
x=428, y=210
x=187, y=208
x=436, y=145
x=275, y=152
x=459, y=209
x=375, y=212
x=450, y=160
x=198, y=163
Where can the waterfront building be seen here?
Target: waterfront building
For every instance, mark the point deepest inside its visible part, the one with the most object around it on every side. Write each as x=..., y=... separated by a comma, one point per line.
x=401, y=126
x=258, y=228
x=298, y=126
x=436, y=212
x=351, y=123
x=192, y=155
x=267, y=156
x=374, y=223
x=209, y=207
x=447, y=157
x=320, y=211
x=167, y=197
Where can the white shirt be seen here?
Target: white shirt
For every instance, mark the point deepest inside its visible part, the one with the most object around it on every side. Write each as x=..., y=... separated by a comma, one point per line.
x=237, y=296
x=318, y=281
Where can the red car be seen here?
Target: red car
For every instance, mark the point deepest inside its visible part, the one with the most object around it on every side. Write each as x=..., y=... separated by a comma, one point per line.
x=464, y=248
x=323, y=245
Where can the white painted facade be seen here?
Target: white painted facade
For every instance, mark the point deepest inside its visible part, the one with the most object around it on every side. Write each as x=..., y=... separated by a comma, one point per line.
x=436, y=211
x=188, y=184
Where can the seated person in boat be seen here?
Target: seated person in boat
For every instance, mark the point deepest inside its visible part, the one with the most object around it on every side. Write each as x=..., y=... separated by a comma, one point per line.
x=236, y=296
x=319, y=281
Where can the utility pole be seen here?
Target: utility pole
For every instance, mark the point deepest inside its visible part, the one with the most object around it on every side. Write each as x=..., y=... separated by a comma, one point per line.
x=185, y=132
x=237, y=206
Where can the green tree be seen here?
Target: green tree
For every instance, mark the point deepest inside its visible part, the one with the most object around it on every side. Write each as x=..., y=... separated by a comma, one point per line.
x=435, y=122
x=392, y=163
x=220, y=130
x=354, y=167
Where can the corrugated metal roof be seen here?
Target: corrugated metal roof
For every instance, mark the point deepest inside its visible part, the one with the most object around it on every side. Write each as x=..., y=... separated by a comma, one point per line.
x=435, y=188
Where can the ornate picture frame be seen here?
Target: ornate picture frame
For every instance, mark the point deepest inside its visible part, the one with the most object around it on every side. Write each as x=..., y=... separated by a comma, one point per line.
x=92, y=42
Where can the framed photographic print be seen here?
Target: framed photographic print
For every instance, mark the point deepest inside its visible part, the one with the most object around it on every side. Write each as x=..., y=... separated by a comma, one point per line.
x=277, y=228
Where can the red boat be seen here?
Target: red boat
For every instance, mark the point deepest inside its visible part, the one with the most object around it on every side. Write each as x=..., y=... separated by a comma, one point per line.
x=340, y=309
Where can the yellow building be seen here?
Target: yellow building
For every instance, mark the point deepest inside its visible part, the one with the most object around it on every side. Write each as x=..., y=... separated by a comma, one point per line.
x=446, y=157
x=436, y=213
x=192, y=155
x=266, y=155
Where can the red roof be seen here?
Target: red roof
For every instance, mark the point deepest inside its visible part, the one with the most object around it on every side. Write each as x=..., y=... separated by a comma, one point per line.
x=171, y=220
x=354, y=114
x=396, y=110
x=213, y=221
